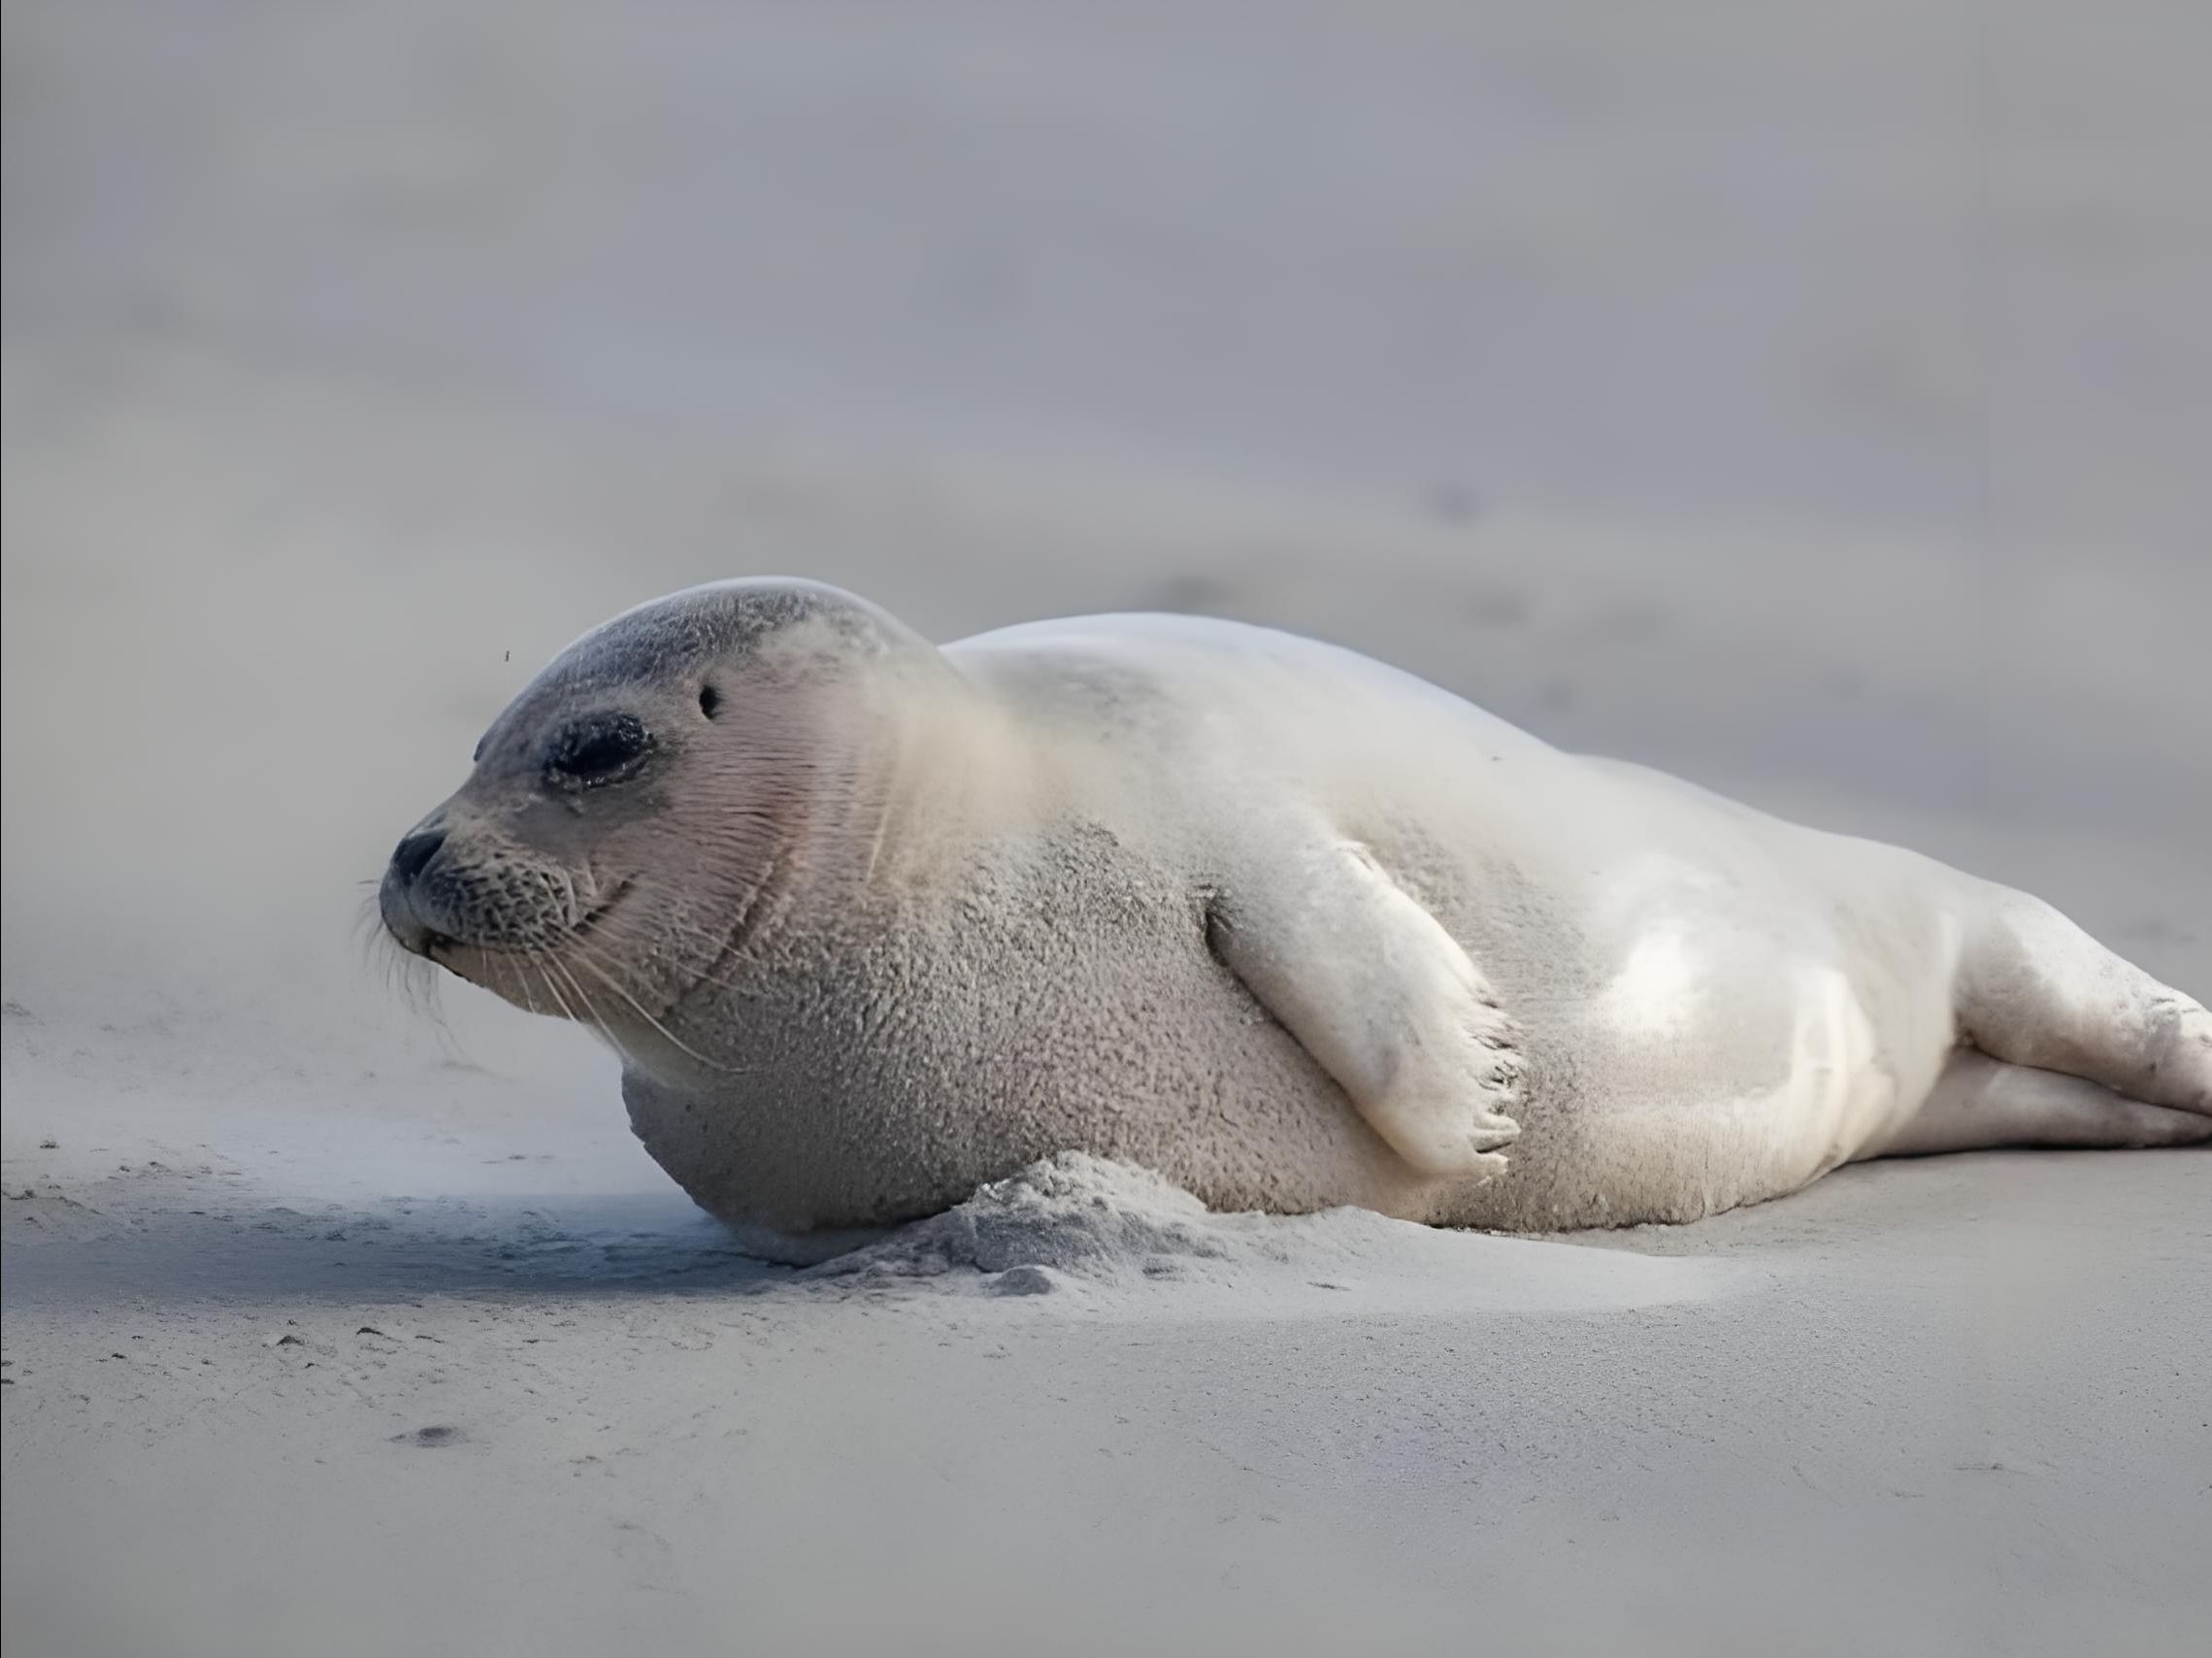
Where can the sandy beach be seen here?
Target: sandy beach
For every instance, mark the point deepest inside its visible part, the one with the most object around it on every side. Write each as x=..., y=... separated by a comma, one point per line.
x=1637, y=386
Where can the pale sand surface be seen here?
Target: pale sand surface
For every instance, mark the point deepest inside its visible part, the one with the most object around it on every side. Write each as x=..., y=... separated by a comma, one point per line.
x=335, y=1323
x=1953, y=1405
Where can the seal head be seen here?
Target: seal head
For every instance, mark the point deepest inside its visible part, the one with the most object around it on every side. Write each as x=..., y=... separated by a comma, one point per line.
x=658, y=781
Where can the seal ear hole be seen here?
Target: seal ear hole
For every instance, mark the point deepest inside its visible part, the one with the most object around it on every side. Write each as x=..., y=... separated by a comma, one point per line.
x=709, y=701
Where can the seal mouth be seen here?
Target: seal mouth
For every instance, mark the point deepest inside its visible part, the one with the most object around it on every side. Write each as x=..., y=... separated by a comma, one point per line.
x=592, y=917
x=436, y=944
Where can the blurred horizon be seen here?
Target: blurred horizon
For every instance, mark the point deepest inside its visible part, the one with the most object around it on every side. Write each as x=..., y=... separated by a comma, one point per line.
x=1757, y=261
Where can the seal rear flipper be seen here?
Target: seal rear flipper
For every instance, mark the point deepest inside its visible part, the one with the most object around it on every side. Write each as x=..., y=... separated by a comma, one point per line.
x=1979, y=1102
x=1382, y=998
x=2034, y=990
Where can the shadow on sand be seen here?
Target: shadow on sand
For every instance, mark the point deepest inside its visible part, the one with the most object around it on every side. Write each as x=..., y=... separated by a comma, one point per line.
x=85, y=1249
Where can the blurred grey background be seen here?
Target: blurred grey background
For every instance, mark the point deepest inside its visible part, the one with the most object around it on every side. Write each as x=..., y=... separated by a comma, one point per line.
x=1810, y=398
x=1813, y=399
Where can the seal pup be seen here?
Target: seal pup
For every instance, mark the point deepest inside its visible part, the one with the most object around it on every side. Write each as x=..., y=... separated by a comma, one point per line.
x=870, y=923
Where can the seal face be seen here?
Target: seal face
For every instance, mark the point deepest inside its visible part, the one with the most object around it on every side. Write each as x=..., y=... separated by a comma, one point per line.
x=871, y=922
x=631, y=809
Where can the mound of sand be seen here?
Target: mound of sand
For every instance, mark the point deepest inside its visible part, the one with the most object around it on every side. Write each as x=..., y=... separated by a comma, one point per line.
x=1115, y=1236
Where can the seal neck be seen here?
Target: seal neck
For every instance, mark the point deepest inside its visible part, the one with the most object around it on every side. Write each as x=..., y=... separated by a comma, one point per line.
x=935, y=767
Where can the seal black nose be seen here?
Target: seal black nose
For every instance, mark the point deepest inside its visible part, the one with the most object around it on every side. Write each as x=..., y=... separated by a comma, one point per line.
x=413, y=855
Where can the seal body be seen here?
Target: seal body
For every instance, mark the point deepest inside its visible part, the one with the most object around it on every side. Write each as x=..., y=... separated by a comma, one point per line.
x=871, y=922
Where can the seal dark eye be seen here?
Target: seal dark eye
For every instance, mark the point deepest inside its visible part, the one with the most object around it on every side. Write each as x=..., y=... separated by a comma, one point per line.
x=602, y=750
x=709, y=701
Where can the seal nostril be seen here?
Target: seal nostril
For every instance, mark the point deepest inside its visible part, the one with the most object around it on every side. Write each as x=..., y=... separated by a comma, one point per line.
x=413, y=855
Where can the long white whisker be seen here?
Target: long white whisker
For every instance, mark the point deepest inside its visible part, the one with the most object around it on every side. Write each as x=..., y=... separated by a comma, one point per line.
x=522, y=984
x=552, y=989
x=584, y=957
x=597, y=1020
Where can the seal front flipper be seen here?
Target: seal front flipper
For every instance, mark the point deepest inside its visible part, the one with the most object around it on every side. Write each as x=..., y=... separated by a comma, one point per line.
x=1382, y=998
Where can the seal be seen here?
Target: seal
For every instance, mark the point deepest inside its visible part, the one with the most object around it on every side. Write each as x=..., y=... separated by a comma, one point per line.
x=870, y=923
